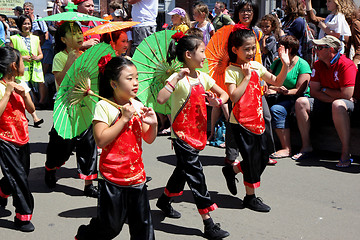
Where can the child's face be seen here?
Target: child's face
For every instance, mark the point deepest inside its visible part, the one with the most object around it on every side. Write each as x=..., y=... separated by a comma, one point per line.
x=266, y=27
x=128, y=84
x=176, y=19
x=26, y=27
x=198, y=16
x=246, y=52
x=121, y=45
x=73, y=39
x=331, y=5
x=246, y=15
x=198, y=56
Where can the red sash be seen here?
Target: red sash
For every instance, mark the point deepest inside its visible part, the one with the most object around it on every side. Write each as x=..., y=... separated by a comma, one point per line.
x=248, y=110
x=121, y=161
x=13, y=122
x=190, y=124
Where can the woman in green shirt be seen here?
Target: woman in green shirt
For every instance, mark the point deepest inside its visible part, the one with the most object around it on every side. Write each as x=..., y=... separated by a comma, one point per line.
x=283, y=98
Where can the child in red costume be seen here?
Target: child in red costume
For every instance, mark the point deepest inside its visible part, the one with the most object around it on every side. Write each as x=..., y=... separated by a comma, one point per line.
x=14, y=139
x=188, y=90
x=242, y=79
x=123, y=192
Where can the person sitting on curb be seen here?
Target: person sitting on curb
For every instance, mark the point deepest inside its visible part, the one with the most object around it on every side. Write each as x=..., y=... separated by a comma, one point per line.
x=331, y=87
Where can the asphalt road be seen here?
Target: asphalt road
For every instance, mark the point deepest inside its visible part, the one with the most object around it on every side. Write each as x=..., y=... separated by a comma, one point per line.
x=311, y=199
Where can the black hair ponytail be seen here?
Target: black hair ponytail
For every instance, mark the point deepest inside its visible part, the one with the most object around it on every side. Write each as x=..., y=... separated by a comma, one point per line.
x=177, y=48
x=8, y=55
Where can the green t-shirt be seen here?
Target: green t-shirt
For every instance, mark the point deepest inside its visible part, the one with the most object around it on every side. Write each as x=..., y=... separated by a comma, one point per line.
x=221, y=20
x=301, y=67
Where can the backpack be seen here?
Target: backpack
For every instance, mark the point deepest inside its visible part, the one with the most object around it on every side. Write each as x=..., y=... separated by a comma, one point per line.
x=219, y=136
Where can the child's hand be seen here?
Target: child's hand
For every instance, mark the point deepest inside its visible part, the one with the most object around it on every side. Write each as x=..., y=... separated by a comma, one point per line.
x=182, y=73
x=10, y=87
x=284, y=55
x=127, y=112
x=245, y=68
x=73, y=55
x=212, y=99
x=19, y=90
x=148, y=116
x=34, y=58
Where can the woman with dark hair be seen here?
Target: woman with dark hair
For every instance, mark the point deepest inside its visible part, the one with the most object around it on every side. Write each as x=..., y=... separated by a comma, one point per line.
x=283, y=97
x=294, y=22
x=29, y=47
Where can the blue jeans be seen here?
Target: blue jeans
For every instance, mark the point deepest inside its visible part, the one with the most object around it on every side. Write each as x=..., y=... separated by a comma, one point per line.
x=280, y=112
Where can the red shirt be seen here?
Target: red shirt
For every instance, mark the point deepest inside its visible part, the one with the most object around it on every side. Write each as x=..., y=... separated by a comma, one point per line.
x=87, y=26
x=340, y=74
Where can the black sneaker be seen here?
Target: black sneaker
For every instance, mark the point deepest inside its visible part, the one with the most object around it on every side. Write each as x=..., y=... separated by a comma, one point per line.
x=3, y=202
x=229, y=175
x=167, y=209
x=50, y=178
x=256, y=204
x=24, y=226
x=215, y=232
x=91, y=191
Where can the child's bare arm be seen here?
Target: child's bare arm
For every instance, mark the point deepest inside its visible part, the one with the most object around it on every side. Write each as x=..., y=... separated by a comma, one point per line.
x=105, y=134
x=279, y=79
x=165, y=92
x=150, y=125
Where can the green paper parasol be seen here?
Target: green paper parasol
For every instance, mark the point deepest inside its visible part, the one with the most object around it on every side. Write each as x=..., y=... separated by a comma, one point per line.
x=153, y=70
x=73, y=110
x=71, y=15
x=2, y=44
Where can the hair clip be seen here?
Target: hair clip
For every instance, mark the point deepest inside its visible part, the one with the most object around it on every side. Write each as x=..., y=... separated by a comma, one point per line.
x=239, y=26
x=177, y=36
x=103, y=61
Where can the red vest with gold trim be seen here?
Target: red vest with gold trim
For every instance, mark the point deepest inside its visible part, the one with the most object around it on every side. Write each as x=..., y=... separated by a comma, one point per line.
x=121, y=161
x=248, y=110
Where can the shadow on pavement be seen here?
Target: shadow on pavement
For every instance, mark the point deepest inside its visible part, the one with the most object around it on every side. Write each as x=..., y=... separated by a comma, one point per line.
x=222, y=200
x=7, y=224
x=329, y=160
x=170, y=228
x=205, y=160
x=86, y=212
x=37, y=184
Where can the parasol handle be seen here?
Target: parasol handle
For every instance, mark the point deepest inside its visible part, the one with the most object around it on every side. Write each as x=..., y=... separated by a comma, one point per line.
x=89, y=92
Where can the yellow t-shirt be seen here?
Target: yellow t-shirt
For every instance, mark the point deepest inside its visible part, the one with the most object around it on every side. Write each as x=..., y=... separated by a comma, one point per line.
x=107, y=113
x=21, y=83
x=182, y=27
x=59, y=64
x=182, y=90
x=234, y=75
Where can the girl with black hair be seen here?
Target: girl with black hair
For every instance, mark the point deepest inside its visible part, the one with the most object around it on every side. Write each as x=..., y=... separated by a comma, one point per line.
x=119, y=132
x=118, y=41
x=189, y=89
x=29, y=47
x=14, y=138
x=68, y=41
x=242, y=79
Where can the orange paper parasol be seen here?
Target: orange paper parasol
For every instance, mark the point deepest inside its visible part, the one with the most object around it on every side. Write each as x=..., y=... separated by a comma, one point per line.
x=217, y=55
x=110, y=27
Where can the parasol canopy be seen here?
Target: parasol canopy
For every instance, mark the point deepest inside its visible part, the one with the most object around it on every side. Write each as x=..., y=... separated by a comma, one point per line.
x=71, y=15
x=110, y=27
x=73, y=110
x=217, y=55
x=153, y=70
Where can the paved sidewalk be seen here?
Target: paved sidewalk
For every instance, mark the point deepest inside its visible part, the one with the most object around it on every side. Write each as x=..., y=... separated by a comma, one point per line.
x=310, y=200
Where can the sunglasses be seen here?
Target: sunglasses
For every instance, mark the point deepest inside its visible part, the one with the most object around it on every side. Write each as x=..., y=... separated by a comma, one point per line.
x=320, y=47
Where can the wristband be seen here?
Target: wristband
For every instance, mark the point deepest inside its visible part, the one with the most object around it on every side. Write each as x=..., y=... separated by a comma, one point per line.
x=220, y=101
x=169, y=89
x=171, y=85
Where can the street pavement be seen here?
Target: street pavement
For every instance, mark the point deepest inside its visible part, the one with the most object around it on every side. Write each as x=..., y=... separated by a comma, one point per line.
x=310, y=200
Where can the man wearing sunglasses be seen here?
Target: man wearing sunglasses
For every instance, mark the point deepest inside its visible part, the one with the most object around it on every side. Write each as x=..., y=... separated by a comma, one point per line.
x=331, y=88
